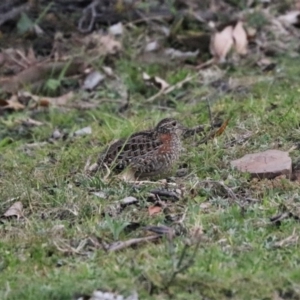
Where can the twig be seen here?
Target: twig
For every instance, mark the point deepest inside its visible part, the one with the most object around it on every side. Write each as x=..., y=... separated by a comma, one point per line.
x=205, y=64
x=280, y=217
x=172, y=88
x=165, y=193
x=90, y=13
x=190, y=132
x=121, y=245
x=214, y=133
x=148, y=182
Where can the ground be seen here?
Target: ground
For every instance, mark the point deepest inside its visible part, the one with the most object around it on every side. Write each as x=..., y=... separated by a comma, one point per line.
x=223, y=243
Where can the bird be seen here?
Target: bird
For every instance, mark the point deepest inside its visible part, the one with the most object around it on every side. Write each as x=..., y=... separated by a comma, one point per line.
x=150, y=153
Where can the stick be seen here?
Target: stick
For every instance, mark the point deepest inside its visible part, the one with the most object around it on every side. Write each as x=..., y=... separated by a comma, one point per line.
x=172, y=88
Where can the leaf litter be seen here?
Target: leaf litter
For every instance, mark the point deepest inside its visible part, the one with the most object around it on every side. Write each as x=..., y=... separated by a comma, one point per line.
x=16, y=210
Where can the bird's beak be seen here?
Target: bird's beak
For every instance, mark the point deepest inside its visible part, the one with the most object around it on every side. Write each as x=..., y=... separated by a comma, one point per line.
x=180, y=130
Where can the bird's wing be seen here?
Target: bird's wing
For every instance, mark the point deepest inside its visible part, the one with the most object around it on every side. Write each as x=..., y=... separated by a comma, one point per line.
x=136, y=148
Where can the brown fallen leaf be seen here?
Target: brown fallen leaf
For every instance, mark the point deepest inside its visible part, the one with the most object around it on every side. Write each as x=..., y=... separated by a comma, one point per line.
x=153, y=210
x=11, y=103
x=156, y=81
x=17, y=60
x=291, y=18
x=222, y=128
x=48, y=101
x=101, y=44
x=240, y=39
x=39, y=73
x=16, y=210
x=58, y=101
x=215, y=133
x=221, y=43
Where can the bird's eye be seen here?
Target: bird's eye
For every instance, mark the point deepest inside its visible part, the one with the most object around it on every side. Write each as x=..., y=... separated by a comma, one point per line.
x=174, y=123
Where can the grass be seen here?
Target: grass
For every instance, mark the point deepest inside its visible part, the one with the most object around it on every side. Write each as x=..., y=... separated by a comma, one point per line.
x=52, y=251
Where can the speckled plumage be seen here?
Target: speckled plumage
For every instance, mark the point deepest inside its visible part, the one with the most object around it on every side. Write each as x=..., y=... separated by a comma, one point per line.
x=148, y=153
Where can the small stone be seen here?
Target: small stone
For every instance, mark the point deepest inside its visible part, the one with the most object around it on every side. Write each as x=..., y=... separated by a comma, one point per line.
x=83, y=131
x=92, y=80
x=128, y=200
x=56, y=134
x=116, y=29
x=94, y=167
x=97, y=295
x=107, y=296
x=268, y=164
x=152, y=46
x=100, y=194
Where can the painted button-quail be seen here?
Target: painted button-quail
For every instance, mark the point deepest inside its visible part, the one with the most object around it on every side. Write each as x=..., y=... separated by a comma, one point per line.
x=149, y=153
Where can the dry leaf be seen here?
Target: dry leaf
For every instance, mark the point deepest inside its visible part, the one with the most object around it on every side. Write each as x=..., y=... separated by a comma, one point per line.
x=39, y=73
x=102, y=44
x=31, y=56
x=15, y=210
x=17, y=60
x=127, y=175
x=12, y=103
x=221, y=43
x=58, y=101
x=153, y=210
x=47, y=101
x=292, y=18
x=240, y=38
x=222, y=128
x=156, y=81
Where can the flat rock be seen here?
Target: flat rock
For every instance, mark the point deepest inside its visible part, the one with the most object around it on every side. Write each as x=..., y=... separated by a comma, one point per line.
x=268, y=164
